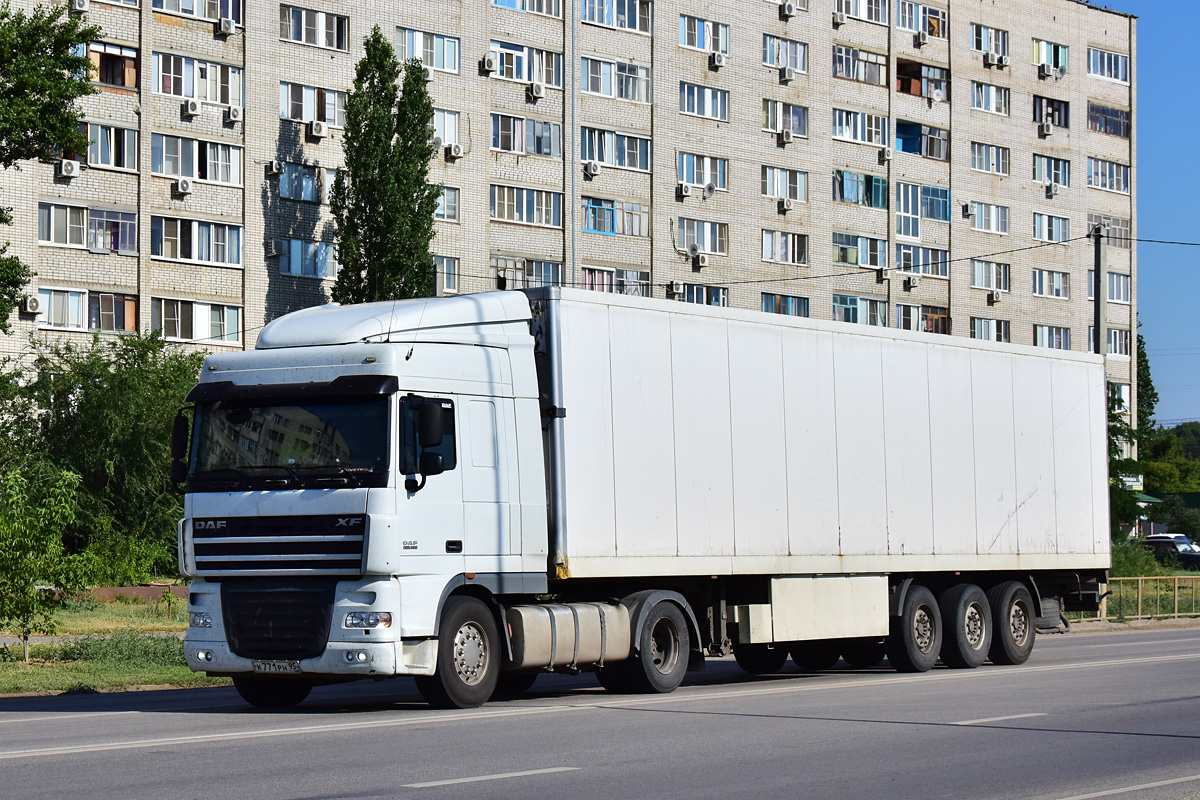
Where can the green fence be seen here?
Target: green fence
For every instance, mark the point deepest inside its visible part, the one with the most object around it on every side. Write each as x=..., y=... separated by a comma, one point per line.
x=1148, y=598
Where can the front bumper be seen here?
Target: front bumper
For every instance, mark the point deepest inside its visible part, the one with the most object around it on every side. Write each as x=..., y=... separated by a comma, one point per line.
x=405, y=657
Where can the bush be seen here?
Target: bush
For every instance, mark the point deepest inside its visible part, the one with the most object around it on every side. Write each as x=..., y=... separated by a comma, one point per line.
x=1131, y=560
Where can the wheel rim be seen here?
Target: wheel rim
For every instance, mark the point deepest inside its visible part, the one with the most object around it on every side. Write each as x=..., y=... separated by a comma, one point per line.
x=1018, y=623
x=470, y=654
x=664, y=646
x=974, y=627
x=923, y=630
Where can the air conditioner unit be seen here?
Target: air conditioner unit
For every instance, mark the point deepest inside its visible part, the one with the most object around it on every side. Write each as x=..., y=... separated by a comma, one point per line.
x=787, y=74
x=968, y=210
x=32, y=304
x=1044, y=70
x=79, y=5
x=912, y=282
x=537, y=90
x=717, y=60
x=318, y=129
x=234, y=113
x=701, y=260
x=921, y=39
x=226, y=26
x=68, y=168
x=454, y=150
x=839, y=18
x=591, y=169
x=786, y=204
x=274, y=248
x=674, y=287
x=787, y=9
x=274, y=167
x=1046, y=128
x=427, y=74
x=683, y=190
x=183, y=186
x=885, y=155
x=786, y=135
x=1052, y=189
x=693, y=250
x=1002, y=61
x=490, y=63
x=192, y=108
x=994, y=296
x=989, y=60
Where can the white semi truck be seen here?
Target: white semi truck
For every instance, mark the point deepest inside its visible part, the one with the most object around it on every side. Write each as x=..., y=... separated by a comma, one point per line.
x=474, y=490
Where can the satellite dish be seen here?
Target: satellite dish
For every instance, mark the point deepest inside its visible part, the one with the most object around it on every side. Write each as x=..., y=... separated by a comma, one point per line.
x=709, y=190
x=437, y=143
x=693, y=250
x=938, y=95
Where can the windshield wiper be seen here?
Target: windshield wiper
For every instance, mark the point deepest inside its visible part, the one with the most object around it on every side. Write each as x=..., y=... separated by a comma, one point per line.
x=343, y=476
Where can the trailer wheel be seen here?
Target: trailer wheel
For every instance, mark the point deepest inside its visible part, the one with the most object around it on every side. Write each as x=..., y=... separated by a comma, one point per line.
x=1015, y=629
x=864, y=653
x=468, y=658
x=967, y=626
x=271, y=693
x=916, y=635
x=511, y=685
x=815, y=655
x=659, y=664
x=760, y=659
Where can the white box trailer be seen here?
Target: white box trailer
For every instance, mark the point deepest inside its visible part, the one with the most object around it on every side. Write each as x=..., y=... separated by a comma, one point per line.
x=571, y=480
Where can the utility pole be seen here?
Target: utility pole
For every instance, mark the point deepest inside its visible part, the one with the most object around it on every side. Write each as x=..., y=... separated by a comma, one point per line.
x=1099, y=291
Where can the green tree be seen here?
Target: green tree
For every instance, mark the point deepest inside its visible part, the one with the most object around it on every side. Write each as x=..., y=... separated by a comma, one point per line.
x=1123, y=507
x=1147, y=395
x=41, y=77
x=382, y=202
x=36, y=574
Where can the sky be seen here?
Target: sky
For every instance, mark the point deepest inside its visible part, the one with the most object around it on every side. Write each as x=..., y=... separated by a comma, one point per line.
x=1168, y=158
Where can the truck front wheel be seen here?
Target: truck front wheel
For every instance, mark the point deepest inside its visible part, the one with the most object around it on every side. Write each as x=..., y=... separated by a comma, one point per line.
x=916, y=635
x=271, y=692
x=468, y=659
x=659, y=664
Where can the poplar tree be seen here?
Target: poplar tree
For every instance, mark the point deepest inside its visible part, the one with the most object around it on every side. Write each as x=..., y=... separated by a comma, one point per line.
x=382, y=202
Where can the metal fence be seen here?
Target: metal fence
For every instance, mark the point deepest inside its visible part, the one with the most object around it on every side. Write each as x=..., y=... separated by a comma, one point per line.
x=1148, y=598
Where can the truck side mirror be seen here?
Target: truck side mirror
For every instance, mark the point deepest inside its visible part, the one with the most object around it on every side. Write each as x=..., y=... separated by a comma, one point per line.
x=432, y=463
x=180, y=433
x=430, y=425
x=178, y=471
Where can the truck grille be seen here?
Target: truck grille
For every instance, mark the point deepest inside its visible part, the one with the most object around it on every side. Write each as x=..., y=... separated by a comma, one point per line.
x=310, y=545
x=277, y=619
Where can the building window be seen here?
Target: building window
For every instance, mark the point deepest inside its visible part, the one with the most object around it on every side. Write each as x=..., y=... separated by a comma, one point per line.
x=113, y=65
x=1107, y=120
x=519, y=63
x=597, y=77
x=922, y=80
x=298, y=182
x=1121, y=394
x=633, y=83
x=194, y=240
x=205, y=9
x=307, y=103
x=782, y=247
x=990, y=218
x=1118, y=342
x=1057, y=112
x=935, y=203
x=860, y=310
x=1119, y=286
x=447, y=273
x=614, y=149
x=447, y=205
x=922, y=140
x=989, y=275
x=859, y=189
x=989, y=158
x=508, y=133
x=990, y=330
x=306, y=258
x=633, y=282
x=1051, y=283
x=313, y=27
x=1110, y=66
x=698, y=170
x=785, y=184
x=908, y=210
x=177, y=157
x=528, y=206
x=598, y=279
x=859, y=126
x=705, y=295
x=61, y=308
x=785, y=304
x=1051, y=336
x=703, y=101
x=702, y=34
x=1120, y=230
x=912, y=16
x=631, y=15
x=445, y=125
x=1047, y=169
x=110, y=146
x=203, y=80
x=59, y=224
x=1108, y=175
x=989, y=40
x=869, y=10
x=191, y=321
x=108, y=311
x=859, y=251
x=433, y=50
x=1051, y=54
x=779, y=116
x=710, y=237
x=986, y=97
x=779, y=53
x=922, y=260
x=548, y=8
x=112, y=231
x=1047, y=228
x=859, y=65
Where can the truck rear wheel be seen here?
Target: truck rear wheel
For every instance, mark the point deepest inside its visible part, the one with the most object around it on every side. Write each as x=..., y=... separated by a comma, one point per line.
x=271, y=693
x=1015, y=628
x=468, y=658
x=661, y=661
x=864, y=652
x=760, y=659
x=815, y=655
x=967, y=626
x=916, y=635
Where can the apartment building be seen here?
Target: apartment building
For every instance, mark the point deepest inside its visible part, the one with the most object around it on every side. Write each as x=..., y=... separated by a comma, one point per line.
x=932, y=166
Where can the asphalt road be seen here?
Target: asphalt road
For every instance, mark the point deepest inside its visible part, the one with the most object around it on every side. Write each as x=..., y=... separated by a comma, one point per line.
x=1091, y=715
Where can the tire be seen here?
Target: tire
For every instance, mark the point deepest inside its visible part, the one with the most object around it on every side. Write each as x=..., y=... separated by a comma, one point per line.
x=760, y=659
x=816, y=655
x=614, y=678
x=915, y=640
x=661, y=661
x=468, y=658
x=967, y=626
x=864, y=653
x=271, y=692
x=1014, y=623
x=511, y=685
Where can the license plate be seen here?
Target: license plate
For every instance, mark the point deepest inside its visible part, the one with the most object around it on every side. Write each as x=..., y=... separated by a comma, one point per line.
x=276, y=666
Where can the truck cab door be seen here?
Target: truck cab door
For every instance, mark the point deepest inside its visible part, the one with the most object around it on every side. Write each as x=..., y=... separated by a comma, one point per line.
x=487, y=425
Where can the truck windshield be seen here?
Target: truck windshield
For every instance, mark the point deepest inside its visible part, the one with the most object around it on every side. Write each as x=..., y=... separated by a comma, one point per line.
x=309, y=444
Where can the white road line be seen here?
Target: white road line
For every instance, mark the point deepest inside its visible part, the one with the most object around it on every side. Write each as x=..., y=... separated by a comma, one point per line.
x=498, y=777
x=1139, y=644
x=1138, y=788
x=680, y=697
x=997, y=719
x=94, y=715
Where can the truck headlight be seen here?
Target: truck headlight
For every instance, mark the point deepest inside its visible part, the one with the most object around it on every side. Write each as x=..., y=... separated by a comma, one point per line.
x=369, y=619
x=200, y=619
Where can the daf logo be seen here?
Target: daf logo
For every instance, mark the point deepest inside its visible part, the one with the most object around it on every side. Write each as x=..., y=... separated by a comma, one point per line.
x=209, y=524
x=348, y=522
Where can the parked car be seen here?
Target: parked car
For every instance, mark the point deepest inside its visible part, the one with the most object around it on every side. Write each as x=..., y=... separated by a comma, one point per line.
x=1174, y=548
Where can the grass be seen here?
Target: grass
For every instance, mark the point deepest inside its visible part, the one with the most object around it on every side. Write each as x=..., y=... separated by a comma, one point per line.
x=89, y=618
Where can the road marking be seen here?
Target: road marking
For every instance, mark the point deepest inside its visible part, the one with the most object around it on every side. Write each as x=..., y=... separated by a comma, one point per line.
x=1139, y=644
x=500, y=776
x=1138, y=788
x=86, y=715
x=681, y=697
x=996, y=719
